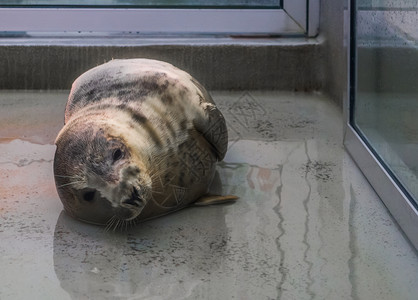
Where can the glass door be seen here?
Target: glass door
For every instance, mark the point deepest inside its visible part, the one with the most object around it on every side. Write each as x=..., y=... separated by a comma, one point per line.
x=382, y=125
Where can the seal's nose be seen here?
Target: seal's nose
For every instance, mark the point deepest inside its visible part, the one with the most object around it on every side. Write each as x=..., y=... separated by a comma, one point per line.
x=135, y=199
x=131, y=201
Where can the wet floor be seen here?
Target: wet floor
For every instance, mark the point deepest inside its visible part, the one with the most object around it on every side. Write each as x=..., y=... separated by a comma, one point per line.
x=307, y=225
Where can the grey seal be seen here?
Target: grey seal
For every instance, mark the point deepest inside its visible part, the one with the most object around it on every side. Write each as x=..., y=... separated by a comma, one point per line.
x=141, y=139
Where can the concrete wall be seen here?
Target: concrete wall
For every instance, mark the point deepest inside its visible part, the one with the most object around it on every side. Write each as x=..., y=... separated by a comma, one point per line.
x=335, y=54
x=226, y=66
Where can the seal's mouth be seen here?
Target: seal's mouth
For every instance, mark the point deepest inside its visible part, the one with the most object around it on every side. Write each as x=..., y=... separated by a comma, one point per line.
x=134, y=200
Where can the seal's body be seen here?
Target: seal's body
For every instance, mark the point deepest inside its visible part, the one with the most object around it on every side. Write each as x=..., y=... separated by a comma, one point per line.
x=141, y=139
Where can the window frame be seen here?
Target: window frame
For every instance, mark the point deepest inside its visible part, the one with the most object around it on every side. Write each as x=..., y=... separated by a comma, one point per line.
x=287, y=21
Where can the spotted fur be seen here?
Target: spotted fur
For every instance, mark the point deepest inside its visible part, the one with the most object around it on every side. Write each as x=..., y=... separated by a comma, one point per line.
x=141, y=139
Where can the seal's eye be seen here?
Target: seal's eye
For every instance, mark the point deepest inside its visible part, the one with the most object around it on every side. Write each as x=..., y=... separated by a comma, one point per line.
x=89, y=196
x=117, y=154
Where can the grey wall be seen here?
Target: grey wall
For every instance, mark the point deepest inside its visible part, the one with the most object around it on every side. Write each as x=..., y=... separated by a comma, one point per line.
x=335, y=57
x=229, y=66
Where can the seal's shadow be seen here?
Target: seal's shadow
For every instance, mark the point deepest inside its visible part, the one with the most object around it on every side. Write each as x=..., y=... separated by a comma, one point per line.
x=174, y=252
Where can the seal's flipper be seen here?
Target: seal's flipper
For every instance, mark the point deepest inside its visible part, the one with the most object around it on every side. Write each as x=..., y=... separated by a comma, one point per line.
x=213, y=126
x=215, y=199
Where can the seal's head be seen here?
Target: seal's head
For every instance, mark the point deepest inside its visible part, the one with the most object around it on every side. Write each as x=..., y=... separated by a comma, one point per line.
x=100, y=178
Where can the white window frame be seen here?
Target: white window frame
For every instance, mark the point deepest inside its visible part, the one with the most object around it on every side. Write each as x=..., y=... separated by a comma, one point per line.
x=294, y=19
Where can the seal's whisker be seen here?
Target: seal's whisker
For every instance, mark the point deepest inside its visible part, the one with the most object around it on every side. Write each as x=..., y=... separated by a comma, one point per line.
x=70, y=183
x=73, y=177
x=157, y=174
x=158, y=167
x=157, y=171
x=159, y=162
x=157, y=192
x=107, y=224
x=116, y=225
x=110, y=223
x=157, y=179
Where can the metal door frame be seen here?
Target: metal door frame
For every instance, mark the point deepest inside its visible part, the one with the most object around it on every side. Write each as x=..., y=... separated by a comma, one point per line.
x=377, y=173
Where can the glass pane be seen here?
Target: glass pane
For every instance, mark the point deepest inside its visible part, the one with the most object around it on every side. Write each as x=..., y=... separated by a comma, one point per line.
x=147, y=3
x=386, y=4
x=386, y=103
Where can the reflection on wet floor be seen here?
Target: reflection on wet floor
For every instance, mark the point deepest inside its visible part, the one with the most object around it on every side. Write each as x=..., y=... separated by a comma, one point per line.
x=307, y=225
